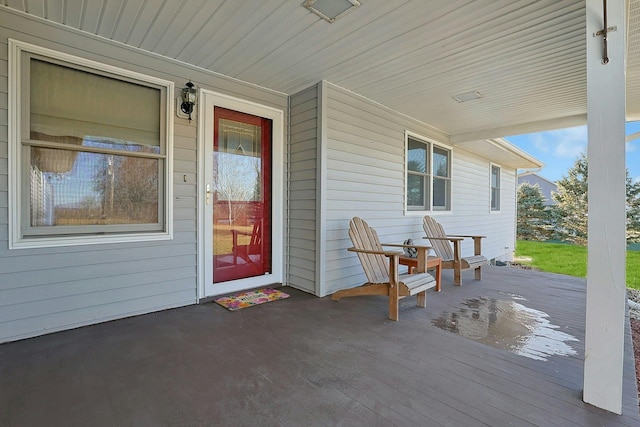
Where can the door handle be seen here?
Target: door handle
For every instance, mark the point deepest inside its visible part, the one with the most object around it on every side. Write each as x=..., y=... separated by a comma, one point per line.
x=208, y=194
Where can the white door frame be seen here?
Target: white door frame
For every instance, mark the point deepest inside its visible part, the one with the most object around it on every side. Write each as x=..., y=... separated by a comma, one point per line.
x=209, y=100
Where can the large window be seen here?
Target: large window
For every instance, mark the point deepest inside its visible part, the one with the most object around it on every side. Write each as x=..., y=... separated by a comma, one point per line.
x=91, y=146
x=428, y=176
x=495, y=188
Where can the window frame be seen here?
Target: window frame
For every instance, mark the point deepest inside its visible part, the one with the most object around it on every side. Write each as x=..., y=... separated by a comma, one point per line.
x=19, y=54
x=429, y=176
x=492, y=188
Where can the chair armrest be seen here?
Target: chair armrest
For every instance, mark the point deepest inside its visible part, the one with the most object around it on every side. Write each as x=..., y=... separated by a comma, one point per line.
x=477, y=243
x=472, y=237
x=421, y=257
x=394, y=261
x=397, y=245
x=448, y=238
x=369, y=251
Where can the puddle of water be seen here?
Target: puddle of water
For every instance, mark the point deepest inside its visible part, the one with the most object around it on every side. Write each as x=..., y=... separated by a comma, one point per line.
x=508, y=325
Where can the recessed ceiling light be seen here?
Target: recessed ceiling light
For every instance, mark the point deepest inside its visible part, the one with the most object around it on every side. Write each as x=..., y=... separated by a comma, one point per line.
x=330, y=10
x=467, y=96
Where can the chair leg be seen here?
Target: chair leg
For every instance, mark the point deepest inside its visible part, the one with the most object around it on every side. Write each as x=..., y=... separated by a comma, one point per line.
x=422, y=299
x=394, y=302
x=457, y=277
x=438, y=277
x=479, y=273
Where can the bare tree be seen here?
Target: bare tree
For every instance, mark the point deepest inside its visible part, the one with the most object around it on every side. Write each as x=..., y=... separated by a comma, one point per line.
x=128, y=189
x=235, y=177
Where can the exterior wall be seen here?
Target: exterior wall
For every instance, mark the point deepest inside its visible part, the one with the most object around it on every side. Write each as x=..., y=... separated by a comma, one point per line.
x=365, y=177
x=546, y=187
x=471, y=213
x=345, y=157
x=46, y=290
x=303, y=180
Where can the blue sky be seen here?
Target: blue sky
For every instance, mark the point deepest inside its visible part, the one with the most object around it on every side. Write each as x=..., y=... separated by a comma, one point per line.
x=559, y=149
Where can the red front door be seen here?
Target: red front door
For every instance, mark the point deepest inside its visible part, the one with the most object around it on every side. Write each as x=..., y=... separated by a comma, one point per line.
x=242, y=195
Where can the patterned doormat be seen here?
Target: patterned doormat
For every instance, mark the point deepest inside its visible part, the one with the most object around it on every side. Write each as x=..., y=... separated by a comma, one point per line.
x=250, y=298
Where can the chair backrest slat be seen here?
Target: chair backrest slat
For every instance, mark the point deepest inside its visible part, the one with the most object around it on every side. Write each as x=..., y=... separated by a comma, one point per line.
x=256, y=235
x=442, y=248
x=362, y=236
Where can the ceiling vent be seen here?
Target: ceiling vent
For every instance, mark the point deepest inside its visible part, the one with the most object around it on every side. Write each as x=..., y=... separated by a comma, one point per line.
x=331, y=10
x=467, y=96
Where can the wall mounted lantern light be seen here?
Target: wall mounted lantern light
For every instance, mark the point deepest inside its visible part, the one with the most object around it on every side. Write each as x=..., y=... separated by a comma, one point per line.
x=188, y=99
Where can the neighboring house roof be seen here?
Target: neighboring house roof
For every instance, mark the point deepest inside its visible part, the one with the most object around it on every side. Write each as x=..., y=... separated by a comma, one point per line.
x=546, y=186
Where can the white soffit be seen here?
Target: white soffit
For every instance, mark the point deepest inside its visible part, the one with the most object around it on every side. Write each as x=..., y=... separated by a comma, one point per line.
x=501, y=152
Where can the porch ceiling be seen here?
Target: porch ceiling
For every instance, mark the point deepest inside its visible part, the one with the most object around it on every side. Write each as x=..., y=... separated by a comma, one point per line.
x=526, y=58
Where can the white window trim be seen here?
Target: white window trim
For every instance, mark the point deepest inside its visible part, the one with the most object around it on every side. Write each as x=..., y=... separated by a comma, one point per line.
x=499, y=210
x=16, y=241
x=407, y=211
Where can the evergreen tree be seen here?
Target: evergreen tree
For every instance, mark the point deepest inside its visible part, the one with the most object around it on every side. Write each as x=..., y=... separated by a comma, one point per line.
x=570, y=212
x=533, y=215
x=633, y=210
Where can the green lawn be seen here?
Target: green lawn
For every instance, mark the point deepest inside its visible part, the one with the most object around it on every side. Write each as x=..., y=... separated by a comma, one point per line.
x=569, y=259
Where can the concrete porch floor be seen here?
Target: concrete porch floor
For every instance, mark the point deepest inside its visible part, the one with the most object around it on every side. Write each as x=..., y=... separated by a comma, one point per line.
x=306, y=361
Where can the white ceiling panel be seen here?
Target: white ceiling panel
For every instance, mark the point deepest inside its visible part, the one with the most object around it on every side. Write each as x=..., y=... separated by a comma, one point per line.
x=35, y=7
x=70, y=12
x=55, y=10
x=127, y=18
x=527, y=58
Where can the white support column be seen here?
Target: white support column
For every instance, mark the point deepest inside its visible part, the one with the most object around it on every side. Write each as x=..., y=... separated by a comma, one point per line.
x=606, y=289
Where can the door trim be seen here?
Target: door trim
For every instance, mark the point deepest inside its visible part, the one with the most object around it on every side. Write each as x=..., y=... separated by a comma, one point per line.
x=209, y=100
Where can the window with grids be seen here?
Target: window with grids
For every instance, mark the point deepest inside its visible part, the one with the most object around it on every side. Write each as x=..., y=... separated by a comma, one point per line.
x=92, y=150
x=495, y=188
x=428, y=185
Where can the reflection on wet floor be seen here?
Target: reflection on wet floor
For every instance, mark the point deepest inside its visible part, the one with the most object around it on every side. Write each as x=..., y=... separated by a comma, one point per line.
x=508, y=325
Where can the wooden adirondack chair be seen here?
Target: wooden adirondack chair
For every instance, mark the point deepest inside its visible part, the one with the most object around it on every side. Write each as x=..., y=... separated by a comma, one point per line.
x=381, y=269
x=448, y=247
x=248, y=252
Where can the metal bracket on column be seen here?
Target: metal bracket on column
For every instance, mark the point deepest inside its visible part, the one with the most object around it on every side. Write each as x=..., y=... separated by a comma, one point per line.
x=605, y=55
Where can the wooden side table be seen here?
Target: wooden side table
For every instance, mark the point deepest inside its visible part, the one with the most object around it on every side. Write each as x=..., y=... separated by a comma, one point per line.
x=432, y=262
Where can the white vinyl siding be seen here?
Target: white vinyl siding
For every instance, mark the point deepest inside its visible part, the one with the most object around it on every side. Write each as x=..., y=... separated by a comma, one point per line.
x=43, y=290
x=303, y=153
x=365, y=173
x=471, y=199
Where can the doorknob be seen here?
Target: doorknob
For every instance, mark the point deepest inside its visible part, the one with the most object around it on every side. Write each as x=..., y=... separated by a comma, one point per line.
x=208, y=194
